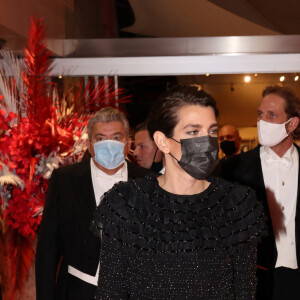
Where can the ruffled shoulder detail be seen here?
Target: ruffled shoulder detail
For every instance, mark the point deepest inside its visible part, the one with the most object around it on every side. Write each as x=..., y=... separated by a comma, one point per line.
x=143, y=216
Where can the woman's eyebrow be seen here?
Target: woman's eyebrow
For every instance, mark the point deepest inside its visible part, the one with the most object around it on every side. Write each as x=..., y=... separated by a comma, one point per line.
x=213, y=125
x=192, y=125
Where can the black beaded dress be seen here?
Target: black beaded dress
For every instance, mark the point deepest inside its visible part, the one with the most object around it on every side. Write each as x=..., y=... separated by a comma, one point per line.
x=158, y=245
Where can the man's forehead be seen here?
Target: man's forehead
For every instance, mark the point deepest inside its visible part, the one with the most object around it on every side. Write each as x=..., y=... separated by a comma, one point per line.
x=228, y=130
x=108, y=127
x=272, y=102
x=142, y=135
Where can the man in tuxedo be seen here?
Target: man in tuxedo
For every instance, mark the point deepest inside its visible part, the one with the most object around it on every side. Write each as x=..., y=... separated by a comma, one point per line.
x=272, y=169
x=146, y=153
x=67, y=255
x=230, y=142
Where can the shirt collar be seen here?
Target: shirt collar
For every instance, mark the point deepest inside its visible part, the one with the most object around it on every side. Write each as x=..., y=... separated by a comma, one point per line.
x=270, y=157
x=121, y=173
x=288, y=154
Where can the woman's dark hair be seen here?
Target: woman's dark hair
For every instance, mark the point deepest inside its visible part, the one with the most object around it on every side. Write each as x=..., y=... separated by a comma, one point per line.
x=164, y=113
x=292, y=102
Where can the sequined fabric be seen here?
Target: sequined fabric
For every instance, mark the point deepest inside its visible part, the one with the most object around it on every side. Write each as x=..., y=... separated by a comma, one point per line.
x=158, y=245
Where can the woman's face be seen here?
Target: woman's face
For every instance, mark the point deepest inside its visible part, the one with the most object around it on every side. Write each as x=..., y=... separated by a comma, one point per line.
x=194, y=121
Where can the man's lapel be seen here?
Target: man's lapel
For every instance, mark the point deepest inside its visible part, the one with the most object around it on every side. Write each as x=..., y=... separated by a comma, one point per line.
x=84, y=189
x=130, y=171
x=260, y=188
x=260, y=178
x=252, y=173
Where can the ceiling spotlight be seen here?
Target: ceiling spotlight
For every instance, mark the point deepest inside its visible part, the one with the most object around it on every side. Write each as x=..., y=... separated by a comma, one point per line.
x=296, y=78
x=207, y=74
x=247, y=78
x=255, y=74
x=60, y=76
x=282, y=78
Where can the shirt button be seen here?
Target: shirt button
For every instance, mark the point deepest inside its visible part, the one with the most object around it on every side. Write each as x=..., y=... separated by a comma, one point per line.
x=282, y=182
x=282, y=207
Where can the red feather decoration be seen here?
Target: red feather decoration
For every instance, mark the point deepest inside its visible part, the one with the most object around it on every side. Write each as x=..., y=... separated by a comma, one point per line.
x=37, y=107
x=36, y=76
x=49, y=127
x=20, y=258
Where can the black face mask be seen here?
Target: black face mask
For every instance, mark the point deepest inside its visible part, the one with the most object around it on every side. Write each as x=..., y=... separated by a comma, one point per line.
x=228, y=147
x=156, y=166
x=199, y=156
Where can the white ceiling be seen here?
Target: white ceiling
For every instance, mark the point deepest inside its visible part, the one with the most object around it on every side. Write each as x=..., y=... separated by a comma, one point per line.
x=157, y=18
x=190, y=18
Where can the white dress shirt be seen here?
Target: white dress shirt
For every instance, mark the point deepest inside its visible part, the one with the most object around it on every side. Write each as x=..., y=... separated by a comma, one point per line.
x=281, y=182
x=103, y=182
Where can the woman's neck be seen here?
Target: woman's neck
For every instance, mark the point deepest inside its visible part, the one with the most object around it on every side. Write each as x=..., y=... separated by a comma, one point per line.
x=182, y=184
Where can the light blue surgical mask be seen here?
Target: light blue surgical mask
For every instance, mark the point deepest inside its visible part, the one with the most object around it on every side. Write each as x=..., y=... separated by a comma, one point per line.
x=109, y=153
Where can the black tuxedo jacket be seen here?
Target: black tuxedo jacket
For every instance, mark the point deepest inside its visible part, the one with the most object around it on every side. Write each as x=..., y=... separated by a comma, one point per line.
x=246, y=169
x=64, y=236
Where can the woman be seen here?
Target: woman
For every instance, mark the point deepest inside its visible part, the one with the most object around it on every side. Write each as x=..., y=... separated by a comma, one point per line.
x=182, y=235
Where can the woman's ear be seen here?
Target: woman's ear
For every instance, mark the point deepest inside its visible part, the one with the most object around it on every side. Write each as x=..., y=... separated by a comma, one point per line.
x=161, y=141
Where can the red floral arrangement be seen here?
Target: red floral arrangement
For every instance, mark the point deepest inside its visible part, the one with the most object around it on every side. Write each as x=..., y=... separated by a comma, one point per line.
x=37, y=134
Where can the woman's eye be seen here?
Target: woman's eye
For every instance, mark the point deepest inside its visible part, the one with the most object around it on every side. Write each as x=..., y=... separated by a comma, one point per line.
x=117, y=138
x=193, y=132
x=213, y=132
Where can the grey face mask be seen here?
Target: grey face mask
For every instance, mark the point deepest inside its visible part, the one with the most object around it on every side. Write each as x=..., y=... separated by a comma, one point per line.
x=199, y=156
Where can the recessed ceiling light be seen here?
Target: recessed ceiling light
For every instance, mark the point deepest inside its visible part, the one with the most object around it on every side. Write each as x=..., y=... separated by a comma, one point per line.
x=247, y=78
x=282, y=78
